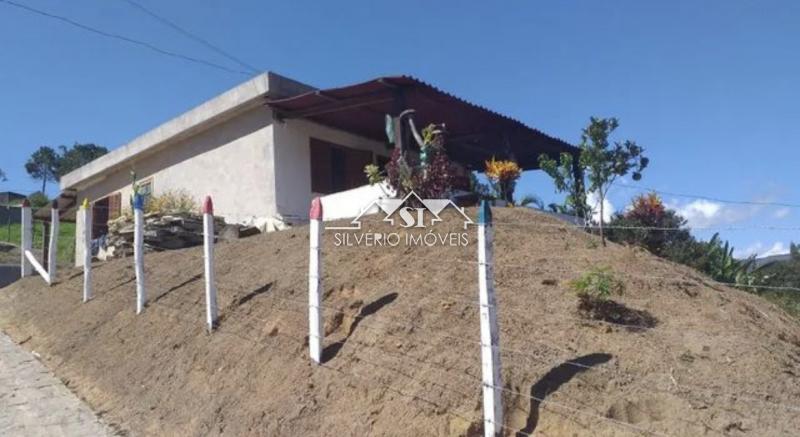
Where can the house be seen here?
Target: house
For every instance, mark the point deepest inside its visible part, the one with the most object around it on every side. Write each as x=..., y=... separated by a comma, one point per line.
x=268, y=146
x=11, y=198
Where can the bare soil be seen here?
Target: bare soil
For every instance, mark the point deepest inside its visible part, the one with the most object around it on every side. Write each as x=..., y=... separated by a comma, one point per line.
x=402, y=354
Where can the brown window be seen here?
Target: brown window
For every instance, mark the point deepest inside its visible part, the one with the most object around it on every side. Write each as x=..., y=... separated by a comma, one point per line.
x=114, y=206
x=337, y=168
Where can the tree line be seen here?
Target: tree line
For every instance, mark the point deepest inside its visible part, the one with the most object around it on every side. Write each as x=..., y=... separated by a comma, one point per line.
x=48, y=164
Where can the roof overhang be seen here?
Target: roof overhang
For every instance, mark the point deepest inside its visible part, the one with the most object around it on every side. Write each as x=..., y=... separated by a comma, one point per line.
x=474, y=133
x=246, y=96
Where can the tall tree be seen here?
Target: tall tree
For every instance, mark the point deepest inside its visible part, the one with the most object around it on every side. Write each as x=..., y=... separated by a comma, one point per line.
x=565, y=181
x=77, y=156
x=602, y=162
x=43, y=165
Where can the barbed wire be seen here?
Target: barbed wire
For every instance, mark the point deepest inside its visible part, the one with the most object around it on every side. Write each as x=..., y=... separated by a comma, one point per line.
x=565, y=226
x=177, y=312
x=383, y=330
x=703, y=197
x=470, y=378
x=519, y=316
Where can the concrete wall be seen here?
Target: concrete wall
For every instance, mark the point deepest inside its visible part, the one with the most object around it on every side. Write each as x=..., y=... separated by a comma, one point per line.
x=231, y=161
x=198, y=119
x=292, y=153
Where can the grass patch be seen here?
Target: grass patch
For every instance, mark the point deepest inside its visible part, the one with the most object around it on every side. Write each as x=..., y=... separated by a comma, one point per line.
x=66, y=239
x=788, y=300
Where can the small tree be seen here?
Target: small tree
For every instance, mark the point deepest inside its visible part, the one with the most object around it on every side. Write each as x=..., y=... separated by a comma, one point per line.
x=77, y=156
x=43, y=165
x=649, y=224
x=38, y=200
x=564, y=178
x=601, y=161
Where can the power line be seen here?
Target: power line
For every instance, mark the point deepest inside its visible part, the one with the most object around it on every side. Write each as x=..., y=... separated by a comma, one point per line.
x=190, y=35
x=123, y=38
x=710, y=198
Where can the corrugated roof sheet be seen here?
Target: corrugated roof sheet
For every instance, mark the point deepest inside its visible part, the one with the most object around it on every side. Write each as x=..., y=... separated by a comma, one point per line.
x=475, y=133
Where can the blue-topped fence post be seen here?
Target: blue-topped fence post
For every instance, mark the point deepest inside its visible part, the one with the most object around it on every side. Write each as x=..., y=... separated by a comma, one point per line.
x=315, y=334
x=138, y=251
x=208, y=252
x=490, y=341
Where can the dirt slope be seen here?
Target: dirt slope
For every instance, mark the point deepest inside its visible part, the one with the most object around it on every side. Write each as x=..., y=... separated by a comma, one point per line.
x=402, y=354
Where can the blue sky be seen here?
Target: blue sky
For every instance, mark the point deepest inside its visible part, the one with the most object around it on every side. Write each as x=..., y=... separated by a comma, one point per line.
x=709, y=88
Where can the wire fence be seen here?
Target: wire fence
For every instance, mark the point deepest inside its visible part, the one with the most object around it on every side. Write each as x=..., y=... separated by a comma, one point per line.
x=385, y=326
x=543, y=354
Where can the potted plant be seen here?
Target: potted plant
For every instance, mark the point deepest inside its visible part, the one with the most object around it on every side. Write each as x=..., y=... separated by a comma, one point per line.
x=503, y=177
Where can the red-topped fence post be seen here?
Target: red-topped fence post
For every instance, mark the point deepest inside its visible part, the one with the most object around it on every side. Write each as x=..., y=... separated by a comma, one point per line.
x=208, y=255
x=315, y=334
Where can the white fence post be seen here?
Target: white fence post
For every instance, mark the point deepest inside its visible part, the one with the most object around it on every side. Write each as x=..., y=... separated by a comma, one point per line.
x=208, y=252
x=315, y=334
x=26, y=268
x=86, y=217
x=138, y=251
x=490, y=342
x=52, y=250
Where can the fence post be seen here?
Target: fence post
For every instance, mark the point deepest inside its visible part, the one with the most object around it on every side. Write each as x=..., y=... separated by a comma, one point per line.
x=86, y=217
x=26, y=219
x=52, y=245
x=138, y=251
x=208, y=252
x=490, y=342
x=315, y=334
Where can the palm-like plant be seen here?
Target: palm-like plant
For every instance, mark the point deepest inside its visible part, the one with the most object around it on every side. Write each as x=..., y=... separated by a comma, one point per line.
x=723, y=266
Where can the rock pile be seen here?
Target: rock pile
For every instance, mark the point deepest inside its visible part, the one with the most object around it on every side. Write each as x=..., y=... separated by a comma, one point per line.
x=161, y=232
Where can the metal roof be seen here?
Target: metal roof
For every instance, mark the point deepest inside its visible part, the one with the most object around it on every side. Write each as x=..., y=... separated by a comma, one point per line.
x=474, y=133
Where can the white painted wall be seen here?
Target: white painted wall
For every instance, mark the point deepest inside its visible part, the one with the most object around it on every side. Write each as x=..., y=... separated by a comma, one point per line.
x=352, y=203
x=292, y=153
x=231, y=161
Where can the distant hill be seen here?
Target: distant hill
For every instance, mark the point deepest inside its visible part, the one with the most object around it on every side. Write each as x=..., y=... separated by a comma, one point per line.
x=769, y=260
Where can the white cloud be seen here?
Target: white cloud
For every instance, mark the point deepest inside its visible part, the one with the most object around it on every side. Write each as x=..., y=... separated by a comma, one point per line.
x=777, y=249
x=760, y=250
x=594, y=202
x=781, y=213
x=707, y=213
x=701, y=213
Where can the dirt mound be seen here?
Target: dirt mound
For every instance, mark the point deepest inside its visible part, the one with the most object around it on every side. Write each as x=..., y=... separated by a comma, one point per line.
x=402, y=353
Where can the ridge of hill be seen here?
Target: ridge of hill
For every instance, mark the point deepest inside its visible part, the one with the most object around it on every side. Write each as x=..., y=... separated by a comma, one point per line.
x=402, y=353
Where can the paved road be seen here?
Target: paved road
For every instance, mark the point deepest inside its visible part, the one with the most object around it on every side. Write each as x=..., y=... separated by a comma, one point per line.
x=8, y=274
x=35, y=403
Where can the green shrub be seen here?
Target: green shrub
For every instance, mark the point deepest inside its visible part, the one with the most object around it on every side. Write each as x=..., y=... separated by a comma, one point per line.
x=598, y=284
x=38, y=200
x=172, y=202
